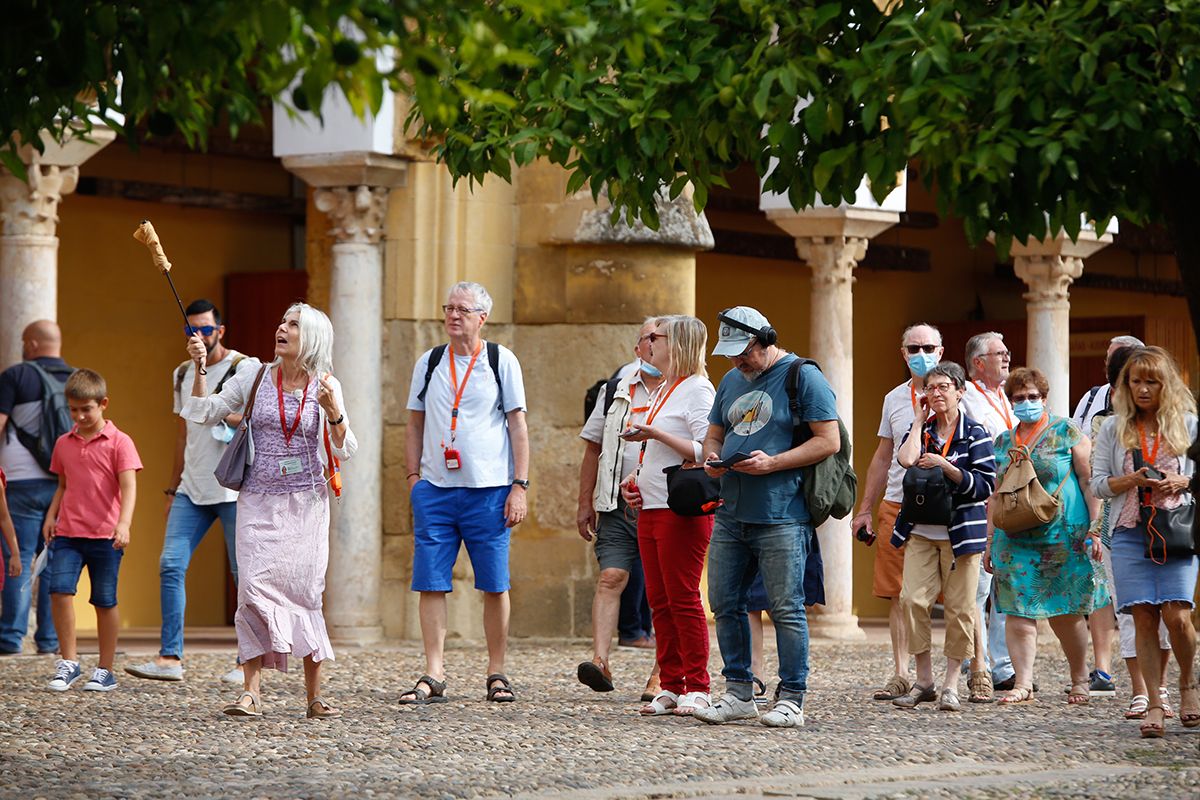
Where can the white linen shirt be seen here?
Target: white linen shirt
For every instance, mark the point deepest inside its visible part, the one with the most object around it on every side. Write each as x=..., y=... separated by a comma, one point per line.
x=485, y=452
x=684, y=414
x=976, y=406
x=203, y=452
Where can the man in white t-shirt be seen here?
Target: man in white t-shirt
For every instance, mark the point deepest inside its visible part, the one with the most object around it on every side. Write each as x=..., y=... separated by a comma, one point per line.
x=194, y=498
x=987, y=360
x=467, y=449
x=920, y=350
x=603, y=514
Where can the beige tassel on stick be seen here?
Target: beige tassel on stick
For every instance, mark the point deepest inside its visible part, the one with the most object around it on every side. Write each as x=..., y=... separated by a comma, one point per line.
x=146, y=234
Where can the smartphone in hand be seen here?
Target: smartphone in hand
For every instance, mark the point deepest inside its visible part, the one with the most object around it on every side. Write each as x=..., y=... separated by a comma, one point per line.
x=1154, y=474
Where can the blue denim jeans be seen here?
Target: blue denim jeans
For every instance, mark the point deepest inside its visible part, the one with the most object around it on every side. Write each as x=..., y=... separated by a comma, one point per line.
x=28, y=502
x=739, y=551
x=186, y=526
x=634, y=621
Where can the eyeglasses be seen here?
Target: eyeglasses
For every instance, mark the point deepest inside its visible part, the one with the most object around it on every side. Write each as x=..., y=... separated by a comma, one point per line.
x=203, y=330
x=938, y=388
x=1003, y=354
x=913, y=349
x=1020, y=398
x=462, y=311
x=654, y=337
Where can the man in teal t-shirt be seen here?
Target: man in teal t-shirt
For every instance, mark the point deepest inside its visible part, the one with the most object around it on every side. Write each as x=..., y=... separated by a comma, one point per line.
x=764, y=524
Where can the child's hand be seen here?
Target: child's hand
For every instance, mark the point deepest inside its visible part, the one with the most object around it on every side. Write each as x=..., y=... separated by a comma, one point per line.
x=14, y=566
x=120, y=536
x=48, y=529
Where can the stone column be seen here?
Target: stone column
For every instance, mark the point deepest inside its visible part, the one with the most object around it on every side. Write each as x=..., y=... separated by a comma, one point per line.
x=352, y=189
x=1048, y=268
x=833, y=241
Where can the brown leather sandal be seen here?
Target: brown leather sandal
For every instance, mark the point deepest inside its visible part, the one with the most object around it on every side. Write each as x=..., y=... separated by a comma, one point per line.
x=319, y=709
x=1152, y=730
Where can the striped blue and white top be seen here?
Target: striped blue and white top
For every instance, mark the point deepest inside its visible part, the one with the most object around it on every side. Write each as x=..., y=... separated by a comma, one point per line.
x=972, y=452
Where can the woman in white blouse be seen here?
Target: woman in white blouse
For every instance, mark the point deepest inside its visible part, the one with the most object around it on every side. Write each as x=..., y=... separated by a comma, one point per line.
x=673, y=547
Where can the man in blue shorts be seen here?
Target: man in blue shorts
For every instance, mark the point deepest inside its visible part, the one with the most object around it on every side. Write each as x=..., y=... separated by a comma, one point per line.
x=764, y=525
x=467, y=449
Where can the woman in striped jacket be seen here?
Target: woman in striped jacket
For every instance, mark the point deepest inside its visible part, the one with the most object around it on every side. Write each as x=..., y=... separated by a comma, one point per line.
x=943, y=557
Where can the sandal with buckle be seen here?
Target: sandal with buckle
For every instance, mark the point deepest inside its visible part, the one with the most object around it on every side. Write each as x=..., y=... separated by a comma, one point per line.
x=1137, y=707
x=1078, y=696
x=319, y=709
x=1152, y=730
x=1164, y=697
x=1018, y=695
x=663, y=703
x=419, y=696
x=897, y=686
x=502, y=691
x=1189, y=708
x=239, y=709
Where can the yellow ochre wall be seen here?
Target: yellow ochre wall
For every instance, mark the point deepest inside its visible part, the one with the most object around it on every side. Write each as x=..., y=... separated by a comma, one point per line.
x=887, y=302
x=119, y=318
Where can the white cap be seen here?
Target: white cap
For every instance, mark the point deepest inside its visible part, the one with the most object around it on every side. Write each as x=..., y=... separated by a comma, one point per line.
x=733, y=340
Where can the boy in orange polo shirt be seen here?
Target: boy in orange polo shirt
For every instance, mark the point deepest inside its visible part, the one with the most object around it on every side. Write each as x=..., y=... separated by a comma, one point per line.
x=88, y=525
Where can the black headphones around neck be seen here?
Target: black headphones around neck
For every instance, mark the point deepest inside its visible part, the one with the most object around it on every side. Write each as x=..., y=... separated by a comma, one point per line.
x=766, y=336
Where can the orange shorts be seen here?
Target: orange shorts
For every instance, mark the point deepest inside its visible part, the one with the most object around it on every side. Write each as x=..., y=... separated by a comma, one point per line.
x=889, y=561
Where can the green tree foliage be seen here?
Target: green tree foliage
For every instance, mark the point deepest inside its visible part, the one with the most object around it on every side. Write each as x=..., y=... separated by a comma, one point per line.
x=1027, y=115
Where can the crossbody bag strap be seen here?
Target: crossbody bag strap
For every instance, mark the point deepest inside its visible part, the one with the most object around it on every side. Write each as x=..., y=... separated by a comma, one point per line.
x=254, y=393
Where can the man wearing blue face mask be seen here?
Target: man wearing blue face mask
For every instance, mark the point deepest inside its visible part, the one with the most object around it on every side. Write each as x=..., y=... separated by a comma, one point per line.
x=194, y=498
x=921, y=350
x=604, y=516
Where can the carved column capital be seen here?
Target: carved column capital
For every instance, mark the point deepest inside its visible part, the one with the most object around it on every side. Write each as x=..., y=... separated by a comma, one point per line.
x=357, y=212
x=30, y=207
x=832, y=258
x=1049, y=277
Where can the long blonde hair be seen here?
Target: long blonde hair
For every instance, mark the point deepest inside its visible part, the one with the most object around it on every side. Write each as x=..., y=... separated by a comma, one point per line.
x=1175, y=401
x=687, y=340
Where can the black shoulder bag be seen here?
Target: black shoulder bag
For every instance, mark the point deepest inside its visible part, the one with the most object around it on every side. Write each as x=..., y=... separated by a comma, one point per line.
x=927, y=499
x=1169, y=531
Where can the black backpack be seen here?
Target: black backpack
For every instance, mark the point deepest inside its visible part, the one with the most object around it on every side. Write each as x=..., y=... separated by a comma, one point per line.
x=493, y=357
x=593, y=394
x=56, y=419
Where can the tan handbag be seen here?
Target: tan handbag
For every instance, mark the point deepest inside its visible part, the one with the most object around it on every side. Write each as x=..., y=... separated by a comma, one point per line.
x=1019, y=503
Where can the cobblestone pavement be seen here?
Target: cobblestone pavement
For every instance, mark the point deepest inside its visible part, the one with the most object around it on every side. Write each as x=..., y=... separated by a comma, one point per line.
x=560, y=740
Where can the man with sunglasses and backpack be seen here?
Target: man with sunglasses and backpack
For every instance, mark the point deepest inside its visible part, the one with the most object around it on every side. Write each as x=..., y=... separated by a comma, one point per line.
x=194, y=498
x=33, y=413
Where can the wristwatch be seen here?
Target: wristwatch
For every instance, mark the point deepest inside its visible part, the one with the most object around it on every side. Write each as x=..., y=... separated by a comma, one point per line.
x=524, y=484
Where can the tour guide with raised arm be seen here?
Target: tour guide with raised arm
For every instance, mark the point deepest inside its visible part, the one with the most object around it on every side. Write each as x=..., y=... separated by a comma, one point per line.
x=764, y=524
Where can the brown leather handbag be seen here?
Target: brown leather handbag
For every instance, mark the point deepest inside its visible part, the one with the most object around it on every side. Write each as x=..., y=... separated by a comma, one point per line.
x=1020, y=503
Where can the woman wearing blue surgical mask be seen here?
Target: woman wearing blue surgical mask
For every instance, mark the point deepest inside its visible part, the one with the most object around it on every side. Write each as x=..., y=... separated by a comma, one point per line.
x=1053, y=571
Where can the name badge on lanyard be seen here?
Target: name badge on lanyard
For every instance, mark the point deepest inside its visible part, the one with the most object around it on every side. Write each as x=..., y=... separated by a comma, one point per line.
x=291, y=465
x=450, y=453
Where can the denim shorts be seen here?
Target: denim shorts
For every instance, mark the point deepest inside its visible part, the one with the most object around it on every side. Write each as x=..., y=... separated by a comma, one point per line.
x=70, y=554
x=446, y=518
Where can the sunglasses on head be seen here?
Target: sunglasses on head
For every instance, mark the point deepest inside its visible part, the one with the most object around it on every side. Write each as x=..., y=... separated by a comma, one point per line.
x=203, y=330
x=913, y=349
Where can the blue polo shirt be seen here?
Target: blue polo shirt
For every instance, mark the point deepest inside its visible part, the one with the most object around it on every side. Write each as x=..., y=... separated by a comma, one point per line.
x=755, y=416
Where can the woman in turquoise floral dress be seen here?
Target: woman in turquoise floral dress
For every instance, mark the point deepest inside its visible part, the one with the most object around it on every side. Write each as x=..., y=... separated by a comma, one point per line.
x=1051, y=572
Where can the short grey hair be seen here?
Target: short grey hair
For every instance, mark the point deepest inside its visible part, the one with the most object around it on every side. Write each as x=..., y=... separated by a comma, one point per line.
x=911, y=328
x=951, y=371
x=316, y=339
x=1127, y=341
x=476, y=290
x=977, y=346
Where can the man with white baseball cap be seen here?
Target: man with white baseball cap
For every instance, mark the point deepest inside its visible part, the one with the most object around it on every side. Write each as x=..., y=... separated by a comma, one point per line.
x=764, y=524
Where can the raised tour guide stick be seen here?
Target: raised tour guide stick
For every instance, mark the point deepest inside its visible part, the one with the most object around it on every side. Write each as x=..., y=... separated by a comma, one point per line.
x=146, y=234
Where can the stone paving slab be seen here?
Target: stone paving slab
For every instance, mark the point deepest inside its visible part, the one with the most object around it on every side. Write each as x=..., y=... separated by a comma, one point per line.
x=560, y=740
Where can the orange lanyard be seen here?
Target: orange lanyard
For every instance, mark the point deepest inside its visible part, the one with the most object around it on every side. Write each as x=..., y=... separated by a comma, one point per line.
x=946, y=444
x=1001, y=408
x=912, y=391
x=654, y=409
x=1152, y=458
x=1034, y=434
x=459, y=388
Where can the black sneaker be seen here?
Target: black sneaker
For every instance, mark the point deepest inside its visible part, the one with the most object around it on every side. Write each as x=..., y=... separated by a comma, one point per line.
x=1101, y=685
x=1010, y=683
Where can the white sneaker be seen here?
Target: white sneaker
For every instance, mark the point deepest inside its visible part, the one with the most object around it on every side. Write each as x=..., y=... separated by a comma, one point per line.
x=154, y=671
x=234, y=676
x=690, y=702
x=727, y=709
x=785, y=714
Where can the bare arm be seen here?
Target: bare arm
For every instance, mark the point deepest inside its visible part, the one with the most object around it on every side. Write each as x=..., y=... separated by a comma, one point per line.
x=714, y=440
x=3, y=422
x=51, y=522
x=128, y=481
x=414, y=438
x=876, y=483
x=585, y=518
x=10, y=537
x=515, y=507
